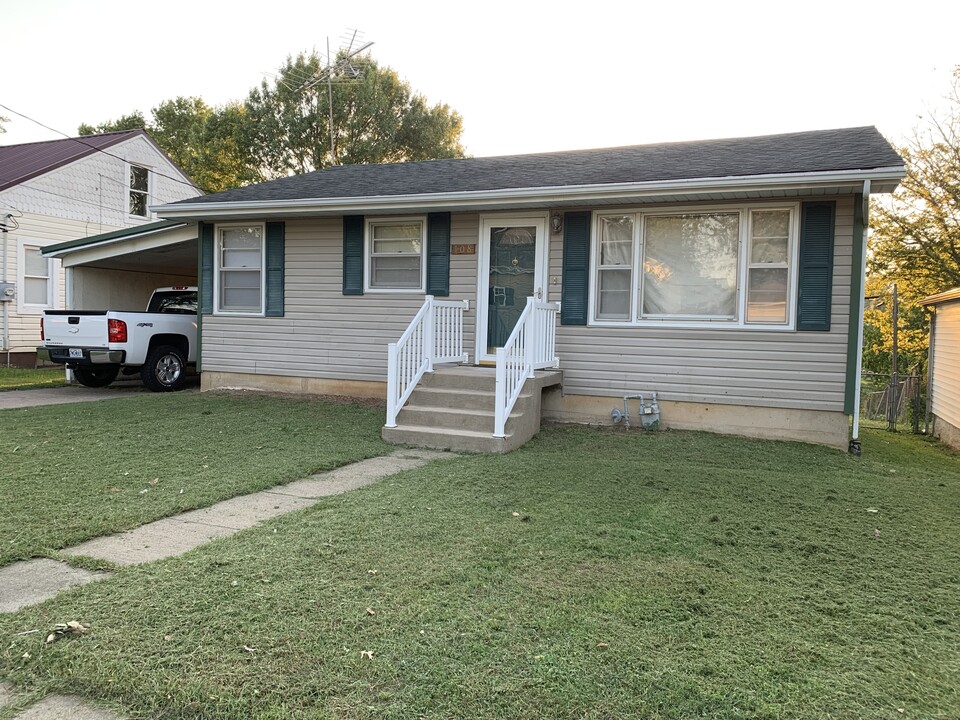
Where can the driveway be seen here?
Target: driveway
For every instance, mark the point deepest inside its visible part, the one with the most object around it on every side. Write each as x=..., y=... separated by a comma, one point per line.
x=77, y=393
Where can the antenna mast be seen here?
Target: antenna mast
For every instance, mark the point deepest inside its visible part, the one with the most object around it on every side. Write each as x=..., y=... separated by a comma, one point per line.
x=340, y=70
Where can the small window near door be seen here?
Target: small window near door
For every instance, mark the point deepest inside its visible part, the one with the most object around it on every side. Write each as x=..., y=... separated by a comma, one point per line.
x=395, y=255
x=139, y=189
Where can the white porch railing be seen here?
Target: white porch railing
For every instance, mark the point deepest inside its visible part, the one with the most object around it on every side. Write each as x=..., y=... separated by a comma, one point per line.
x=532, y=346
x=434, y=336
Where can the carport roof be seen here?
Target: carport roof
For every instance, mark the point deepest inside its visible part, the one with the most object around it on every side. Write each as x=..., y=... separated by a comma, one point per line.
x=125, y=234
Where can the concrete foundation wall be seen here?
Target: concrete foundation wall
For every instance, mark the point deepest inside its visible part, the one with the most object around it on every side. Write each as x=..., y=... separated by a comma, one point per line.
x=813, y=426
x=212, y=380
x=946, y=432
x=822, y=427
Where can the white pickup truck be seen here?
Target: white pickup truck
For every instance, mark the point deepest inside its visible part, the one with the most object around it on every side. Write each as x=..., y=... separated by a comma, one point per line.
x=98, y=344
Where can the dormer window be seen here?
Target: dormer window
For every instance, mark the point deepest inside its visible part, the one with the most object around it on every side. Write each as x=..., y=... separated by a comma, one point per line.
x=139, y=186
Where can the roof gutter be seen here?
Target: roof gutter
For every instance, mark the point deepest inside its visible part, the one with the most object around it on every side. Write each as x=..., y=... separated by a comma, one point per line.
x=508, y=197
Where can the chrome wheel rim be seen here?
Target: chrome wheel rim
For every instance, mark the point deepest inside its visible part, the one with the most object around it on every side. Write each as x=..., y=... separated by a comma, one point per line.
x=168, y=369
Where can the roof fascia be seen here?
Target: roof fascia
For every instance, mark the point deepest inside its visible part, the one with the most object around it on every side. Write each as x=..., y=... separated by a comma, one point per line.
x=947, y=296
x=61, y=251
x=521, y=196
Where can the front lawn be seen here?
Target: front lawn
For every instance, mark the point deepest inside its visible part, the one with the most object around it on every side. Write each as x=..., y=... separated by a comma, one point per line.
x=591, y=574
x=77, y=471
x=29, y=379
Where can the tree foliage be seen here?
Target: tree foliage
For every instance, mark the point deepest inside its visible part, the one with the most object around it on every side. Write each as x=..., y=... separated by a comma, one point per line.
x=376, y=118
x=283, y=127
x=205, y=142
x=202, y=140
x=133, y=121
x=915, y=235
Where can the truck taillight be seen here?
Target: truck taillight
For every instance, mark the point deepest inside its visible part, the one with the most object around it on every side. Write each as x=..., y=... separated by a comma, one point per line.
x=42, y=337
x=116, y=330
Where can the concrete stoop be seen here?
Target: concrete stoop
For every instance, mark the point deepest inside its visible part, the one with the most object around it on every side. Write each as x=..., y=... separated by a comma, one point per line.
x=453, y=409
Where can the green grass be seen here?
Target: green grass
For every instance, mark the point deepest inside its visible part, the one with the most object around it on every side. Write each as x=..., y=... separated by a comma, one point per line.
x=26, y=379
x=77, y=471
x=728, y=578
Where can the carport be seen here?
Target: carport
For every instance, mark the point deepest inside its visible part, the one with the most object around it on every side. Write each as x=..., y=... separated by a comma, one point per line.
x=118, y=270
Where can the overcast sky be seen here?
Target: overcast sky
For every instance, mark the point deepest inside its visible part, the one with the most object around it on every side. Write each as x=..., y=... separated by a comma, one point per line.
x=525, y=76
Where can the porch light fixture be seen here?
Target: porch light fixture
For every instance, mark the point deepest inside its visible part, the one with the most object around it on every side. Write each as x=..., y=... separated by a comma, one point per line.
x=556, y=223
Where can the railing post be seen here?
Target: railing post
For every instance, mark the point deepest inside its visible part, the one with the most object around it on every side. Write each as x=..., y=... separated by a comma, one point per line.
x=429, y=333
x=500, y=407
x=392, y=390
x=531, y=337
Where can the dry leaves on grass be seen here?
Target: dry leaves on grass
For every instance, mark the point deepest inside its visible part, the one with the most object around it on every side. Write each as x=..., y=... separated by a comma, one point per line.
x=61, y=630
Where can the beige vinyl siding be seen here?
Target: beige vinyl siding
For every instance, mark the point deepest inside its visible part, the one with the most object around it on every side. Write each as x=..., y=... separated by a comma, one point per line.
x=766, y=368
x=323, y=333
x=946, y=364
x=36, y=230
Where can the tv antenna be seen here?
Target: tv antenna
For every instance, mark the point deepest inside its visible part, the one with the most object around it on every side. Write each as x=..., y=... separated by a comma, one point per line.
x=341, y=70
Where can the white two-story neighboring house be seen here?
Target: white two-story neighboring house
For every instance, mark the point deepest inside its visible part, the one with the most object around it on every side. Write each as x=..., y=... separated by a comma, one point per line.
x=61, y=190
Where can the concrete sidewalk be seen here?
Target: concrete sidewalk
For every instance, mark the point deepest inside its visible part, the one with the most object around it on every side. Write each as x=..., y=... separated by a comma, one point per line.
x=33, y=581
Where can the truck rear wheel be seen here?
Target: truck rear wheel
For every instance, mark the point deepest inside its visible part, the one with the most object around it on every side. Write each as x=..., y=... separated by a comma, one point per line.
x=96, y=375
x=164, y=370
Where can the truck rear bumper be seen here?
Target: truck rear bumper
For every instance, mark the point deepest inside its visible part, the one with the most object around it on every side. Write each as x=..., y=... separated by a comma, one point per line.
x=88, y=356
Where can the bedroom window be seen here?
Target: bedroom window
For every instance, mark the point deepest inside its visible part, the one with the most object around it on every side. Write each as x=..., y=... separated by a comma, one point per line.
x=139, y=190
x=730, y=266
x=395, y=255
x=239, y=272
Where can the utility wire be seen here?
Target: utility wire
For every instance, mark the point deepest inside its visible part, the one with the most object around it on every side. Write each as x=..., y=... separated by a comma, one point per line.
x=94, y=147
x=75, y=199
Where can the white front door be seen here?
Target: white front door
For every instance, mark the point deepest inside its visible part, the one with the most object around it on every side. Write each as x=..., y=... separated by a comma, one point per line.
x=512, y=267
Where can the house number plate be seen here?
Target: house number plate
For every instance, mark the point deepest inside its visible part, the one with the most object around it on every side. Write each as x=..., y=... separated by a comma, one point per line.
x=463, y=249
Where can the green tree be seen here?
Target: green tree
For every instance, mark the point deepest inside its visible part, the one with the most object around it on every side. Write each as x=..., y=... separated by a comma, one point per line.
x=205, y=142
x=284, y=127
x=133, y=121
x=376, y=118
x=915, y=234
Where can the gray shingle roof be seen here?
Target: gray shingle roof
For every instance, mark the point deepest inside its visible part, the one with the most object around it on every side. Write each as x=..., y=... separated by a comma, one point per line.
x=860, y=148
x=19, y=163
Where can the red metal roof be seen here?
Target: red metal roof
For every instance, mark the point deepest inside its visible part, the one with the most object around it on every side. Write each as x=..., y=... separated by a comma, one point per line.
x=19, y=163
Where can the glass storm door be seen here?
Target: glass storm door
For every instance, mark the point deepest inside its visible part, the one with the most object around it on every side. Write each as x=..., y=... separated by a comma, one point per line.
x=513, y=253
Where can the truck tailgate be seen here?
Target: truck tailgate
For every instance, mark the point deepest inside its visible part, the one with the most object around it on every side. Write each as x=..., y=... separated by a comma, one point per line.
x=66, y=329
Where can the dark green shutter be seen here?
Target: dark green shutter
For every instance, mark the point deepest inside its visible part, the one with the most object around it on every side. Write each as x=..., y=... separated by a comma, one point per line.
x=815, y=284
x=576, y=268
x=206, y=268
x=353, y=254
x=275, y=249
x=438, y=254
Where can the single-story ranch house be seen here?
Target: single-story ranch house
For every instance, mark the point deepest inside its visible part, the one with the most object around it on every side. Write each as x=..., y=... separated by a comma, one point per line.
x=723, y=275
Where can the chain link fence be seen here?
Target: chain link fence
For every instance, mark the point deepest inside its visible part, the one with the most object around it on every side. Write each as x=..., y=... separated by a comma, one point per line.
x=892, y=402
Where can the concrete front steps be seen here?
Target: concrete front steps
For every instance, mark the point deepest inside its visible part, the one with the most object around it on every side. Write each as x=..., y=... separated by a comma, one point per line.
x=452, y=409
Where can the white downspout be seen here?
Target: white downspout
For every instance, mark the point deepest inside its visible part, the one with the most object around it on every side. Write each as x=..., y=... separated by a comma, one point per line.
x=863, y=290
